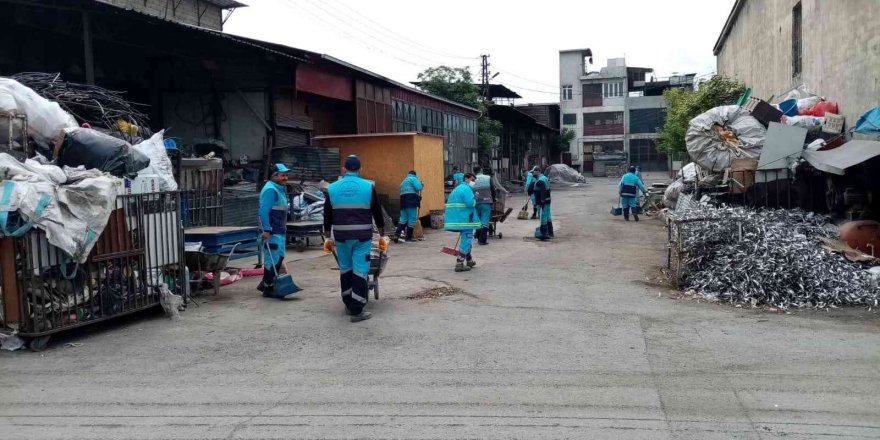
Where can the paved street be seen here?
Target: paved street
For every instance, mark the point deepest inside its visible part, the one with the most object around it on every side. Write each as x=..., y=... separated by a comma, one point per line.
x=566, y=339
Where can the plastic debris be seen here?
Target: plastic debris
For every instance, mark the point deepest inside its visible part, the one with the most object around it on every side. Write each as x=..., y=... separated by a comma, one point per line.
x=769, y=257
x=10, y=342
x=170, y=301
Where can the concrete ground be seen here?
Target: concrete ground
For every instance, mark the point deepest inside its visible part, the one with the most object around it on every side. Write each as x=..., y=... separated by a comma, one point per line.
x=567, y=339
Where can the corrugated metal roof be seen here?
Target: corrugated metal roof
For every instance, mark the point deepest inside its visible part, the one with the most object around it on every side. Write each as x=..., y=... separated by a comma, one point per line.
x=226, y=4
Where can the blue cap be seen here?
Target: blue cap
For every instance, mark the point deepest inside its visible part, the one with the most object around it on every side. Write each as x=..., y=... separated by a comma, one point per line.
x=280, y=168
x=352, y=163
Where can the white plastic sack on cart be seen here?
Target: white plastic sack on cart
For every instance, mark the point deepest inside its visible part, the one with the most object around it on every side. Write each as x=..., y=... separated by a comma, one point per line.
x=160, y=164
x=708, y=149
x=72, y=215
x=45, y=118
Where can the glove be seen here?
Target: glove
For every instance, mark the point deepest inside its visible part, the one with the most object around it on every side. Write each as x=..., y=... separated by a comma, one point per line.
x=383, y=245
x=329, y=245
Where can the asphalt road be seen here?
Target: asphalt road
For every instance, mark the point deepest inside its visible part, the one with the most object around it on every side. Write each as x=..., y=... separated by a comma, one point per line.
x=566, y=339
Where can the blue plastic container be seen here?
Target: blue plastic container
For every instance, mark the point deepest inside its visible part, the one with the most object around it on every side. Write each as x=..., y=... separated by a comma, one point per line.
x=789, y=107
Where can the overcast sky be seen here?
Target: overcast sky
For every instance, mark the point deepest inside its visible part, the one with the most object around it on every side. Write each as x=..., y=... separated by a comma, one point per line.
x=398, y=38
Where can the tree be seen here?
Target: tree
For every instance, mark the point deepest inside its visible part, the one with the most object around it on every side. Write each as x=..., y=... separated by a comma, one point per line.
x=456, y=84
x=563, y=142
x=683, y=105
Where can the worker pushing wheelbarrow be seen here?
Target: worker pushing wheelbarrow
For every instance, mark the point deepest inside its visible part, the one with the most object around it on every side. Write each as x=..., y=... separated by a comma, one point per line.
x=378, y=260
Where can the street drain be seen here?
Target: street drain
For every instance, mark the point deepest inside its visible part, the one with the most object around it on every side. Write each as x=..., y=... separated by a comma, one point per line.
x=436, y=292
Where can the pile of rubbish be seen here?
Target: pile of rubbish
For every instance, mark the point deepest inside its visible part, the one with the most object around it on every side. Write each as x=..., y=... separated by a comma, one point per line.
x=83, y=158
x=740, y=149
x=769, y=257
x=562, y=173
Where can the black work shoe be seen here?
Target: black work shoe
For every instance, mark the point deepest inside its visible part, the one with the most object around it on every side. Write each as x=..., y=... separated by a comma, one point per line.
x=362, y=316
x=460, y=267
x=471, y=263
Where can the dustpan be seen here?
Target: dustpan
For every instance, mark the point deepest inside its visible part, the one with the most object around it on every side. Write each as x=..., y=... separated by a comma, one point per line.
x=284, y=284
x=618, y=211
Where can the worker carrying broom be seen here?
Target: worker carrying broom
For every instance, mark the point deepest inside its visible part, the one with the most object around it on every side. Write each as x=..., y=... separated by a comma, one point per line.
x=273, y=210
x=461, y=216
x=350, y=209
x=410, y=201
x=628, y=188
x=540, y=189
x=485, y=196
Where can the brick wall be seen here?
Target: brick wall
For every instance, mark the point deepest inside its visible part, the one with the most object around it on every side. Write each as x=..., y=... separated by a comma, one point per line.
x=187, y=11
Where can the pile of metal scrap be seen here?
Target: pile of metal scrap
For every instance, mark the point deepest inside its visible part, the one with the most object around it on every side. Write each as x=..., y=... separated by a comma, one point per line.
x=88, y=103
x=769, y=257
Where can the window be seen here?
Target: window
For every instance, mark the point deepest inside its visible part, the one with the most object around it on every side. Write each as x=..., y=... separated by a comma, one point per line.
x=592, y=95
x=606, y=123
x=569, y=119
x=612, y=90
x=796, y=41
x=403, y=116
x=566, y=93
x=647, y=120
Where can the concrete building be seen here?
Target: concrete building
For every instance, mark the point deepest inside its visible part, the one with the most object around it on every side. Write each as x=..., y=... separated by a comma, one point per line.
x=615, y=112
x=829, y=48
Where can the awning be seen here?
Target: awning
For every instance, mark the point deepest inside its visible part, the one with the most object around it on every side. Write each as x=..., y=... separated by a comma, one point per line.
x=836, y=161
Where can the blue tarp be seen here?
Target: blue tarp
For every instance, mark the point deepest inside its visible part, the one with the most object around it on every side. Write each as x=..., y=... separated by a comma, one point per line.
x=869, y=123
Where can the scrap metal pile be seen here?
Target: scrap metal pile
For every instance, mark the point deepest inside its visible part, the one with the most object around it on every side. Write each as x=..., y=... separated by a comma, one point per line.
x=87, y=103
x=769, y=257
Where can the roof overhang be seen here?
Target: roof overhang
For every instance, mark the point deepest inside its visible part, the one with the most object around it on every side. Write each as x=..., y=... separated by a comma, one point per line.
x=728, y=26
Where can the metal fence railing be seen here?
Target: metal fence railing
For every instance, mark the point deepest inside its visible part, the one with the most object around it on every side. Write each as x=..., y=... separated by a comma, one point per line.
x=140, y=249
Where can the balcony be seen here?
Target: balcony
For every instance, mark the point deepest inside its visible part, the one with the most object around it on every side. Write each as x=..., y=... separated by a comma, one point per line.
x=603, y=130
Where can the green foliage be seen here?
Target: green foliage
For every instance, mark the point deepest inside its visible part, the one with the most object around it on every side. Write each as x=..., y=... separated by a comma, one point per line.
x=563, y=141
x=683, y=105
x=456, y=84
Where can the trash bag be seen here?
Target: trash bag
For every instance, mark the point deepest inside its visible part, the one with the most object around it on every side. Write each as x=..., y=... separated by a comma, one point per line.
x=670, y=196
x=170, y=302
x=562, y=173
x=710, y=150
x=93, y=149
x=160, y=164
x=819, y=109
x=45, y=118
x=688, y=172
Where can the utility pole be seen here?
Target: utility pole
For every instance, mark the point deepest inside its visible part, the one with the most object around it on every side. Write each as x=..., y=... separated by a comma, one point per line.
x=484, y=76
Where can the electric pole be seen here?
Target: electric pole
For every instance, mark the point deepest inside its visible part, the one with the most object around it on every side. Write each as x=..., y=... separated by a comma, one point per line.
x=484, y=76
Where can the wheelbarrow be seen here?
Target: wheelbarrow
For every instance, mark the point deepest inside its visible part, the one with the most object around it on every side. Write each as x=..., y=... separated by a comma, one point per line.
x=201, y=262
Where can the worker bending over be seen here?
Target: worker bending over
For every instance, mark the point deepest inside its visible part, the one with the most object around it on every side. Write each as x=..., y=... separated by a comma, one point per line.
x=541, y=190
x=629, y=187
x=410, y=201
x=273, y=210
x=350, y=209
x=484, y=192
x=461, y=216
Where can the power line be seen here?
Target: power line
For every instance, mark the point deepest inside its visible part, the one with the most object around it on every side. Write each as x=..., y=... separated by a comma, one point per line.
x=344, y=32
x=402, y=38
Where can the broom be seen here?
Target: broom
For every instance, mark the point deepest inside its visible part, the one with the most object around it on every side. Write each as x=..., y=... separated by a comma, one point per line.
x=452, y=250
x=524, y=212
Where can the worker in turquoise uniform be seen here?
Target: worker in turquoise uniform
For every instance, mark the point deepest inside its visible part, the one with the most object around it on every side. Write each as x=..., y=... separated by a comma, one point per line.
x=461, y=216
x=529, y=180
x=541, y=191
x=350, y=209
x=410, y=201
x=273, y=210
x=457, y=176
x=484, y=192
x=629, y=187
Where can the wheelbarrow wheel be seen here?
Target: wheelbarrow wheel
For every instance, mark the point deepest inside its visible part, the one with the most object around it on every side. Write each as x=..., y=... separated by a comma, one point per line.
x=500, y=236
x=375, y=287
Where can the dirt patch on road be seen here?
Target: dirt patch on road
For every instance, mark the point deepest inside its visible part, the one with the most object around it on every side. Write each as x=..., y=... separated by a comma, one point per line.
x=436, y=292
